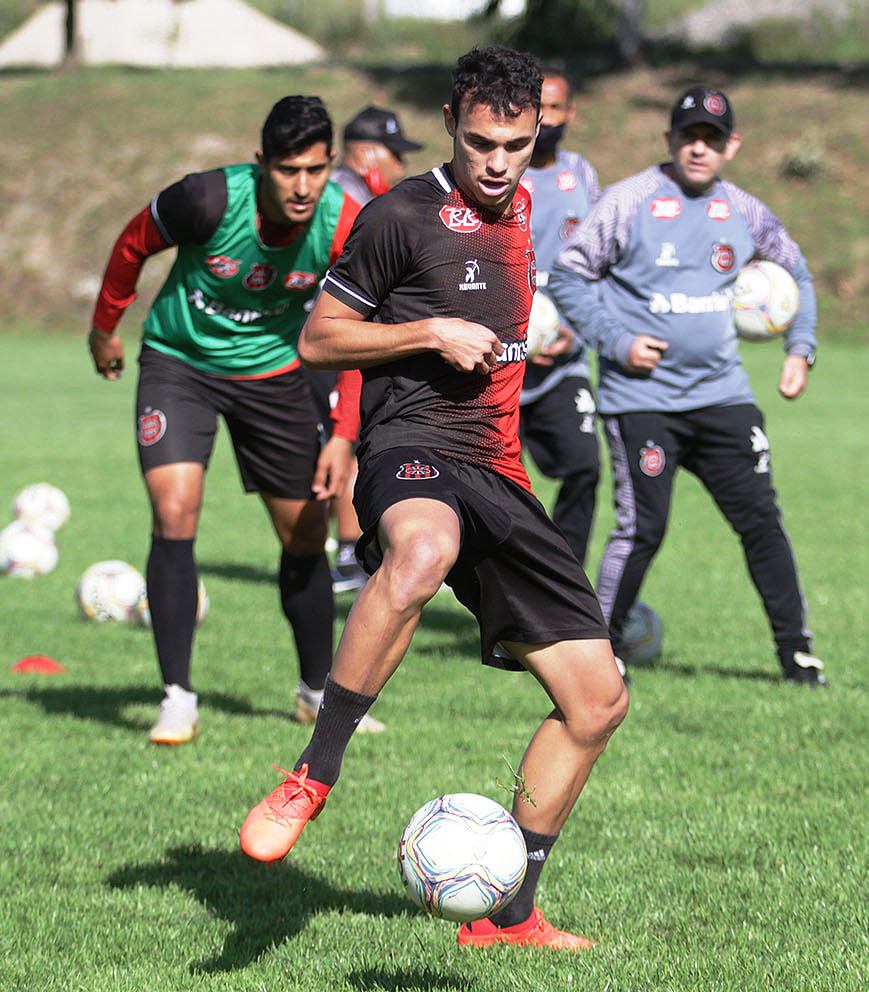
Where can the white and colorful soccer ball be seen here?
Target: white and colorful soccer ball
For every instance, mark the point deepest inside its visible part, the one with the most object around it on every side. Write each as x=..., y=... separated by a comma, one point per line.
x=27, y=549
x=143, y=610
x=462, y=857
x=42, y=503
x=110, y=590
x=642, y=635
x=766, y=300
x=543, y=324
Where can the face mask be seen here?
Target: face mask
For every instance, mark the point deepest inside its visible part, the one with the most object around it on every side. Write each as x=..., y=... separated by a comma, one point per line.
x=548, y=138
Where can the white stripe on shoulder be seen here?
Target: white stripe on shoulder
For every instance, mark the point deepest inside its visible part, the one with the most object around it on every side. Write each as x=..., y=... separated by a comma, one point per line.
x=164, y=234
x=346, y=289
x=444, y=183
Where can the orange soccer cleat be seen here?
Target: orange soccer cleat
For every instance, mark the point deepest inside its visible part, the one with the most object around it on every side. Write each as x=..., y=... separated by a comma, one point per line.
x=273, y=826
x=536, y=931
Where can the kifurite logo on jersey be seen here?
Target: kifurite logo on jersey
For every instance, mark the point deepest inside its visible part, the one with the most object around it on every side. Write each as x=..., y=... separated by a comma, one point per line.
x=462, y=220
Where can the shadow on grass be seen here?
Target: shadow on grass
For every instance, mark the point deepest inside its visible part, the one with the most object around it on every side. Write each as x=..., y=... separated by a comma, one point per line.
x=107, y=705
x=265, y=904
x=399, y=981
x=665, y=667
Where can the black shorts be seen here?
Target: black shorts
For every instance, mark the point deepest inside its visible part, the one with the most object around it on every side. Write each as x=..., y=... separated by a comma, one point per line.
x=515, y=572
x=272, y=422
x=322, y=383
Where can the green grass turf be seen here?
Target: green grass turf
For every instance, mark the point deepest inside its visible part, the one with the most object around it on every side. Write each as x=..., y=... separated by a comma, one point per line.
x=720, y=844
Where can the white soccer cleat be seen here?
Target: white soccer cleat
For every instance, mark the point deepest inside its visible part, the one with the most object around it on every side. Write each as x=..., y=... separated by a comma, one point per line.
x=178, y=722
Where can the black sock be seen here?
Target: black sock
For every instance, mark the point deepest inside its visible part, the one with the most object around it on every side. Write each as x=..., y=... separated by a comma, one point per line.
x=306, y=597
x=172, y=600
x=522, y=905
x=338, y=716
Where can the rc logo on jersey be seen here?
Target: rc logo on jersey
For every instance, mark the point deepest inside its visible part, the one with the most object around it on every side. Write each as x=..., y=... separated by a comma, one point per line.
x=152, y=426
x=667, y=255
x=472, y=272
x=223, y=266
x=415, y=470
x=666, y=207
x=652, y=459
x=462, y=220
x=567, y=181
x=760, y=447
x=723, y=258
x=300, y=280
x=259, y=276
x=718, y=210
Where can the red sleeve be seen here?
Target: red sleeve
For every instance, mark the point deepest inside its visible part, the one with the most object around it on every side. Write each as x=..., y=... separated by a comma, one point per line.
x=349, y=212
x=139, y=239
x=345, y=413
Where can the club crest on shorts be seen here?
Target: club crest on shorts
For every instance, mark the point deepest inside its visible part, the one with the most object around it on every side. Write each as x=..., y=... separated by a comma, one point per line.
x=652, y=459
x=152, y=426
x=412, y=471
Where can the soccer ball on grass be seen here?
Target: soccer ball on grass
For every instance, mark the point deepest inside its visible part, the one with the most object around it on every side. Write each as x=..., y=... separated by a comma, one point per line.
x=110, y=590
x=642, y=635
x=27, y=549
x=42, y=503
x=462, y=857
x=766, y=301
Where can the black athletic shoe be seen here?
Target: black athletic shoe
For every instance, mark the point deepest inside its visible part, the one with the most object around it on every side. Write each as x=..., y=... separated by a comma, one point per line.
x=805, y=669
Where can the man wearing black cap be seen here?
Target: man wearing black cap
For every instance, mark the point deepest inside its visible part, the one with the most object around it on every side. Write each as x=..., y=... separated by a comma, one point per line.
x=647, y=280
x=374, y=148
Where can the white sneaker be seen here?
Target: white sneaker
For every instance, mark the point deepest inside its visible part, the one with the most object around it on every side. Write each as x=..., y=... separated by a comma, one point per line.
x=308, y=703
x=178, y=722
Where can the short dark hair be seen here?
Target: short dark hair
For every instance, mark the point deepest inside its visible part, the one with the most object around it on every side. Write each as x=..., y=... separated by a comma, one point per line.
x=556, y=70
x=294, y=124
x=504, y=80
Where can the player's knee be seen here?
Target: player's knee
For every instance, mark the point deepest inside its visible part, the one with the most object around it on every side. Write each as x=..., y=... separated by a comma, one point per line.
x=175, y=517
x=604, y=709
x=415, y=568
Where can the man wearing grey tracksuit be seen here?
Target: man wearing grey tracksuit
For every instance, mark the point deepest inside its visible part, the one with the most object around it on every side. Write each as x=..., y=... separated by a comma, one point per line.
x=664, y=248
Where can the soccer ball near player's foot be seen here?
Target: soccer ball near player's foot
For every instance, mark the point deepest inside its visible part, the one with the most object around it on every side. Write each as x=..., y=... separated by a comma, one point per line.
x=110, y=590
x=641, y=635
x=462, y=857
x=766, y=301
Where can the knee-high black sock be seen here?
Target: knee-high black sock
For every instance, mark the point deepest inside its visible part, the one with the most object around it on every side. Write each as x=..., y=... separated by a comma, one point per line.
x=172, y=596
x=307, y=601
x=522, y=905
x=338, y=716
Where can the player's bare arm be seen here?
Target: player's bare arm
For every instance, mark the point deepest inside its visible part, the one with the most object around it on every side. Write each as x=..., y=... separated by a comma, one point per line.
x=107, y=351
x=645, y=353
x=335, y=336
x=794, y=377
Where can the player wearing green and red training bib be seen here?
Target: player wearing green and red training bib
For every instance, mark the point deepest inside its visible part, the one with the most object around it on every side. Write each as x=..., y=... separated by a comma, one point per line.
x=252, y=243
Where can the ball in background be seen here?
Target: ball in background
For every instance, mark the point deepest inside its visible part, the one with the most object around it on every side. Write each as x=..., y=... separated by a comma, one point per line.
x=42, y=503
x=642, y=635
x=462, y=857
x=27, y=549
x=766, y=300
x=110, y=591
x=543, y=324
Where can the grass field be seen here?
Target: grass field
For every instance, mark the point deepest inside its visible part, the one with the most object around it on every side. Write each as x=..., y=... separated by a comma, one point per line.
x=720, y=844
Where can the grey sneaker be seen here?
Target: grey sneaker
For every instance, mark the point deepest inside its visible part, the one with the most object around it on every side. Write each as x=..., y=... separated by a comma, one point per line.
x=178, y=722
x=308, y=703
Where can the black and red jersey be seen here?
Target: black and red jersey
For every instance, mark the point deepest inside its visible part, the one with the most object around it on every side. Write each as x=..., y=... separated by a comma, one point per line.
x=423, y=250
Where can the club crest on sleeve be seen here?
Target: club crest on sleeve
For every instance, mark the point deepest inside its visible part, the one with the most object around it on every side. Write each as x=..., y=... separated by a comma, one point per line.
x=462, y=220
x=223, y=266
x=718, y=210
x=259, y=276
x=723, y=258
x=152, y=426
x=666, y=207
x=415, y=470
x=300, y=280
x=652, y=459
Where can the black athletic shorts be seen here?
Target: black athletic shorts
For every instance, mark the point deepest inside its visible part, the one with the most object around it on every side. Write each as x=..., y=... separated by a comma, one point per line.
x=272, y=422
x=515, y=572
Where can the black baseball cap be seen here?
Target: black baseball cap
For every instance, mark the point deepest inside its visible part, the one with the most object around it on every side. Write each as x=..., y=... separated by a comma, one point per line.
x=702, y=105
x=378, y=124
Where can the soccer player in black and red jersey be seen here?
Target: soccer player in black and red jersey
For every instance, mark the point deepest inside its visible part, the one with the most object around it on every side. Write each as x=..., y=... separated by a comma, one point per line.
x=445, y=263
